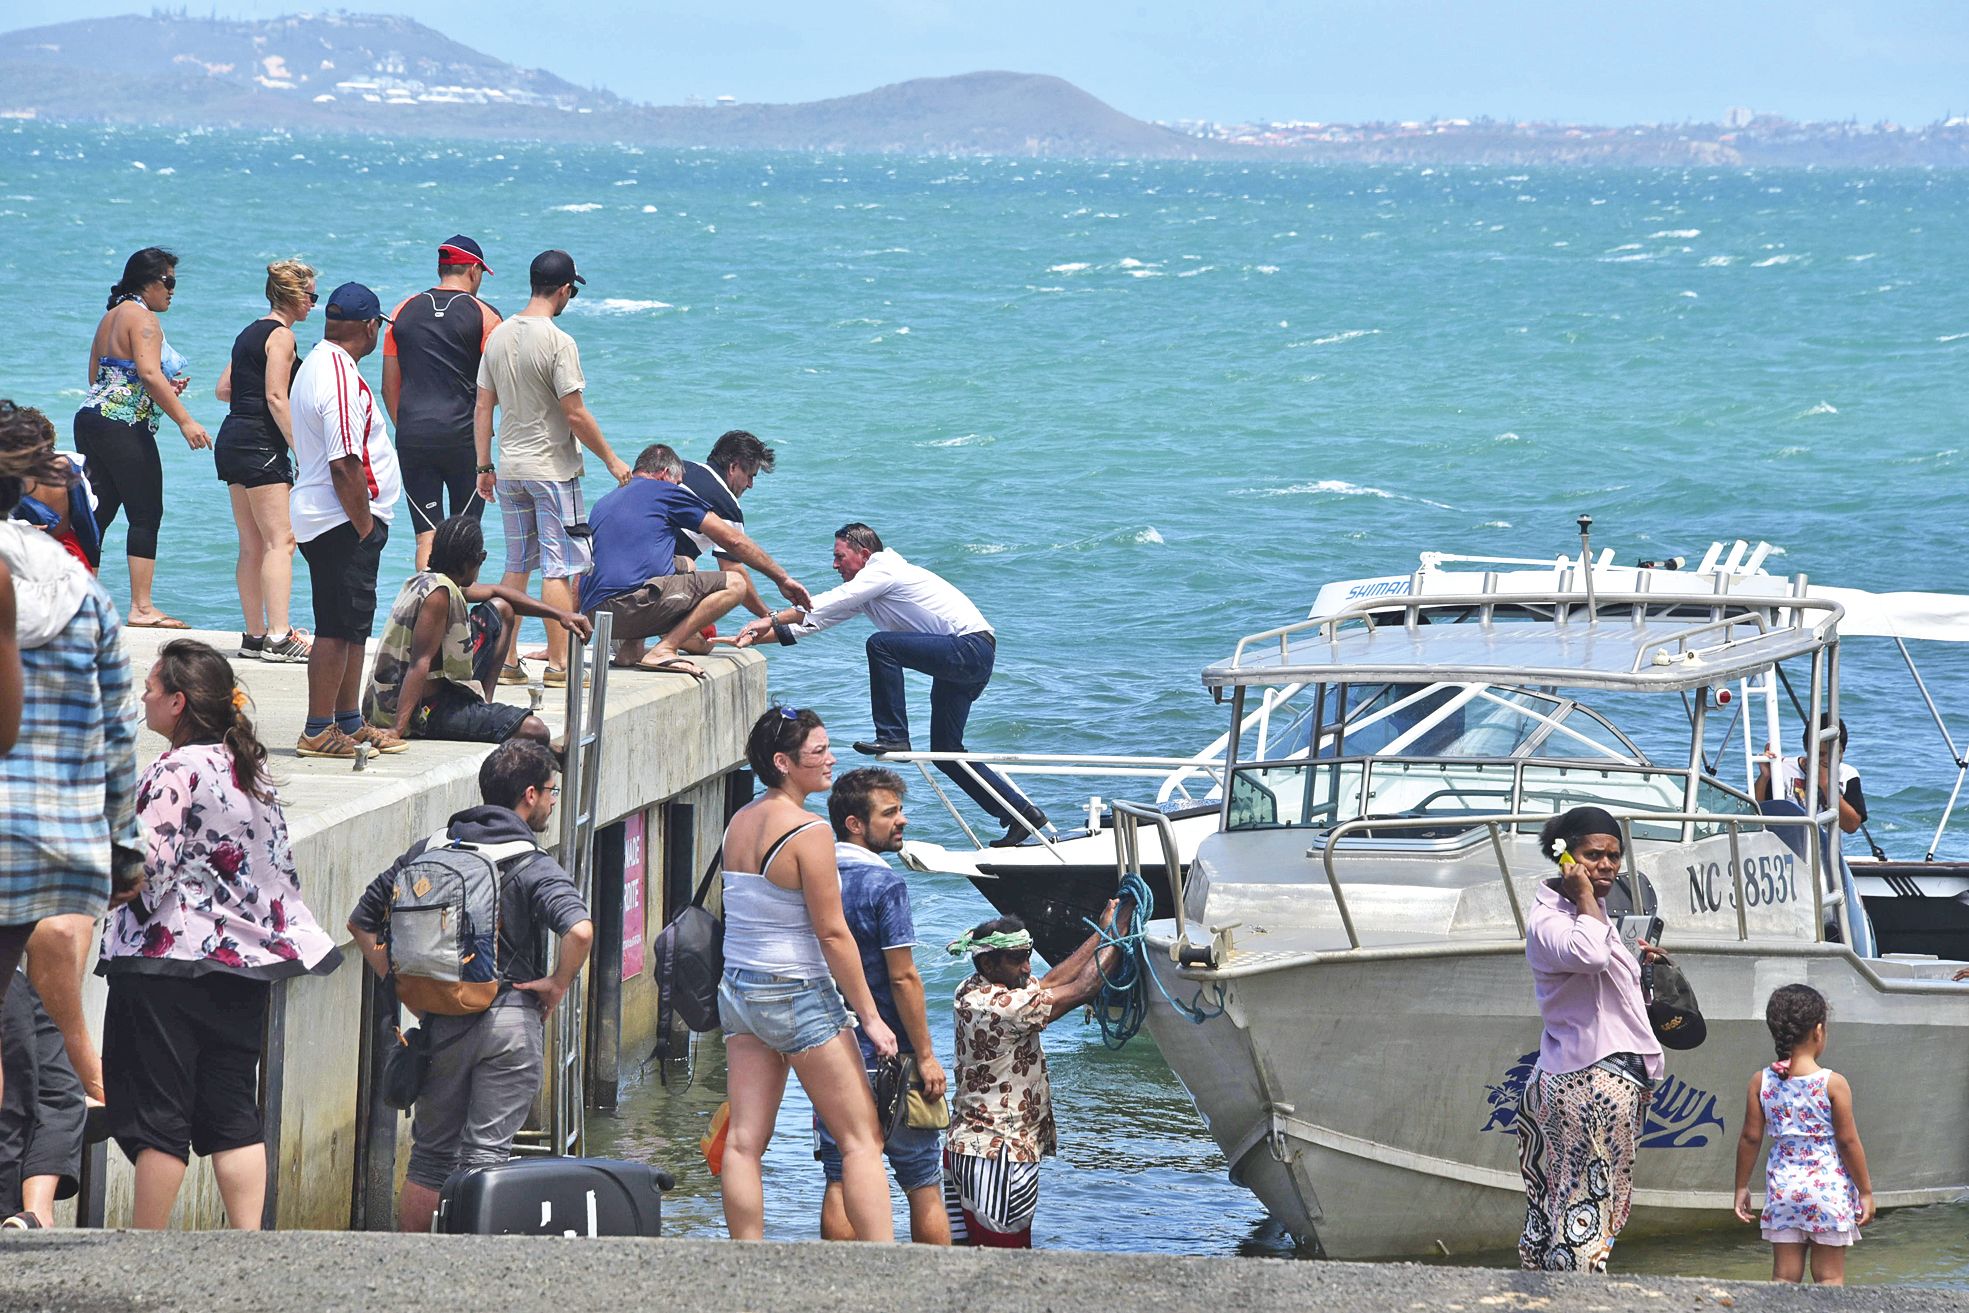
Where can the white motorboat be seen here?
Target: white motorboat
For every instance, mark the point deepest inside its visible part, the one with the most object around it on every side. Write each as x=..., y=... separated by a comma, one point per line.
x=1341, y=983
x=1058, y=878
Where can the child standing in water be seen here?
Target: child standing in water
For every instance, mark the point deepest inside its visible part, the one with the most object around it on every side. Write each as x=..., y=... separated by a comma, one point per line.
x=1817, y=1194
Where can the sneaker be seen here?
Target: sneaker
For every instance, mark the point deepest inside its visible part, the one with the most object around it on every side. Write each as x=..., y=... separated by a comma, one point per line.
x=380, y=740
x=513, y=674
x=289, y=648
x=251, y=648
x=554, y=677
x=331, y=742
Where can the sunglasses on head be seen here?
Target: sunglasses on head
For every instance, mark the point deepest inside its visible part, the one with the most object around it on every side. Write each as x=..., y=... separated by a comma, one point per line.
x=789, y=713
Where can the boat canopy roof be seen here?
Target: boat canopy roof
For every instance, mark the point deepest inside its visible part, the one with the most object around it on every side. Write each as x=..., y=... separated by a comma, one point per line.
x=1933, y=617
x=1650, y=640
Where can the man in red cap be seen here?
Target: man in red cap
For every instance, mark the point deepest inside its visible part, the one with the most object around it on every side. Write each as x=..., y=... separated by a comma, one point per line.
x=431, y=358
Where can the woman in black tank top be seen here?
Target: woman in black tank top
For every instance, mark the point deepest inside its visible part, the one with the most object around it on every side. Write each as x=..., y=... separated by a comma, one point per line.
x=253, y=459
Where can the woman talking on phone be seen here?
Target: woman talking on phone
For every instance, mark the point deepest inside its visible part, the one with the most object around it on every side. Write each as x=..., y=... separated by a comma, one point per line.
x=1598, y=1059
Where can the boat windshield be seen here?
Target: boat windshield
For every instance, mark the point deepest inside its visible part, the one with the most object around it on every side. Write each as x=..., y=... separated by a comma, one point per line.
x=1435, y=721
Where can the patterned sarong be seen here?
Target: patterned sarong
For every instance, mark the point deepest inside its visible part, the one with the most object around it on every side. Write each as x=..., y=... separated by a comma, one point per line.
x=1576, y=1137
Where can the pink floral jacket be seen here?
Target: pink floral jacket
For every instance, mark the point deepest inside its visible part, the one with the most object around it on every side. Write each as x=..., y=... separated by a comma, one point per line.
x=1001, y=1097
x=220, y=892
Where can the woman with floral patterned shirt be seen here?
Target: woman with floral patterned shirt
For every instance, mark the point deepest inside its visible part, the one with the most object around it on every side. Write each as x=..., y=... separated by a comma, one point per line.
x=191, y=959
x=1001, y=1120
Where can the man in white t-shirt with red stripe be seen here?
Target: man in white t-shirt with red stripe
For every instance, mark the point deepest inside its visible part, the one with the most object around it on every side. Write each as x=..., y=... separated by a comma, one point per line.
x=346, y=487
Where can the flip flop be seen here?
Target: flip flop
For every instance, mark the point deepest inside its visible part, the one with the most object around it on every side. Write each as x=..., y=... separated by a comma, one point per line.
x=675, y=666
x=162, y=622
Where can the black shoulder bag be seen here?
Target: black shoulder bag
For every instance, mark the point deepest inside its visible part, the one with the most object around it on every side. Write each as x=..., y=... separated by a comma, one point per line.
x=690, y=961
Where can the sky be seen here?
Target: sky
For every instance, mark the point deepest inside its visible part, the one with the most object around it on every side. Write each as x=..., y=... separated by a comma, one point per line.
x=1329, y=60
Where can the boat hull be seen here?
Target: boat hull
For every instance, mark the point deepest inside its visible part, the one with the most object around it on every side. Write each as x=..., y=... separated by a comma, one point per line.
x=1369, y=1103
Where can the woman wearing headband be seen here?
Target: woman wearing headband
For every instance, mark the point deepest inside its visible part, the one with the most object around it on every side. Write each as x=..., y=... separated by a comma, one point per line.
x=1001, y=1121
x=789, y=959
x=1597, y=1060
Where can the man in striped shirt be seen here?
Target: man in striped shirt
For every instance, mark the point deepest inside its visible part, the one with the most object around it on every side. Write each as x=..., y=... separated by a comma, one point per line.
x=345, y=489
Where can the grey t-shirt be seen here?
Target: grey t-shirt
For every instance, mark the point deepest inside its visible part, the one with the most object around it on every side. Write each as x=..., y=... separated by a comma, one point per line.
x=531, y=364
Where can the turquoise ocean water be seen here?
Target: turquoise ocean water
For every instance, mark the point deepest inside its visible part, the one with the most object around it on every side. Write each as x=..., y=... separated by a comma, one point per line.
x=1135, y=410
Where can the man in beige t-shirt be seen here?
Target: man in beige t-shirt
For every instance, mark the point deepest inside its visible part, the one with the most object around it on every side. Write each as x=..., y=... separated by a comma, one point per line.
x=531, y=372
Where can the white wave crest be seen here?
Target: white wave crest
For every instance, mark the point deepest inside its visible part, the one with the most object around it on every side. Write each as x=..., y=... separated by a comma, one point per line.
x=1130, y=262
x=1495, y=524
x=622, y=305
x=1347, y=336
x=986, y=549
x=1146, y=536
x=1718, y=261
x=963, y=440
x=1823, y=408
x=579, y=207
x=1675, y=232
x=1264, y=268
x=1073, y=268
x=1507, y=437
x=1342, y=488
x=1628, y=246
x=1770, y=260
x=1952, y=337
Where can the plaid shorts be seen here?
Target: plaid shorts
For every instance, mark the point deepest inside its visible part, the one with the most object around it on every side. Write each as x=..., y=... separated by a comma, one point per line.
x=542, y=517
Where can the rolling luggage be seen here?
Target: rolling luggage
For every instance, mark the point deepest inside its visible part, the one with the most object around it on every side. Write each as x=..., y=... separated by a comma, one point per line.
x=555, y=1196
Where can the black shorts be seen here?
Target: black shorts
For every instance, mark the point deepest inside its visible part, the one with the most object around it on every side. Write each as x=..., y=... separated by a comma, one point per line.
x=251, y=454
x=433, y=476
x=342, y=577
x=461, y=716
x=181, y=1062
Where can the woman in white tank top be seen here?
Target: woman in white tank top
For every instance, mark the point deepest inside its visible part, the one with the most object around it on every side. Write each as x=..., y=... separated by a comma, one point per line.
x=787, y=948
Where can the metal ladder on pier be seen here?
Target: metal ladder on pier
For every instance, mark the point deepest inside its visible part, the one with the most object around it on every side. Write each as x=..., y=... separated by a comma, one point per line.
x=560, y=1112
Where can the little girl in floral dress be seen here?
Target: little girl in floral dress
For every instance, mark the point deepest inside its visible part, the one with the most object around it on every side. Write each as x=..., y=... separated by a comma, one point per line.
x=1817, y=1194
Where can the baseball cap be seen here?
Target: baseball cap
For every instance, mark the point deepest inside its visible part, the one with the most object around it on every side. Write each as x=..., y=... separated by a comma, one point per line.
x=460, y=249
x=353, y=301
x=554, y=268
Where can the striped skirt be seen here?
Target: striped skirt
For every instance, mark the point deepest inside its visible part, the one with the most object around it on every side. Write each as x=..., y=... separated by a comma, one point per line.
x=1576, y=1137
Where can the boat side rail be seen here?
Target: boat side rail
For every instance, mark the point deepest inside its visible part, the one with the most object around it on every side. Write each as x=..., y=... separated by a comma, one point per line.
x=1369, y=610
x=1733, y=824
x=1175, y=775
x=1128, y=820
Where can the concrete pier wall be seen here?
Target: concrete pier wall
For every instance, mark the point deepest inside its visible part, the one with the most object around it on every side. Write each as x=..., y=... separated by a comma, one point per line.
x=667, y=740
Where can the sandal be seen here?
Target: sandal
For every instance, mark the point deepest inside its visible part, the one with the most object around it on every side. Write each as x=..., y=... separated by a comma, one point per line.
x=676, y=665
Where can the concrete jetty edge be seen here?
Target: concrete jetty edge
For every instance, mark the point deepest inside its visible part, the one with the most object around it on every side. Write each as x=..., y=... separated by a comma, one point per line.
x=92, y=1272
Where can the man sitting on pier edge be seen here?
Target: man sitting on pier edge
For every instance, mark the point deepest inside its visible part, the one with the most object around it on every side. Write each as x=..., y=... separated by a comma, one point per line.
x=865, y=808
x=925, y=623
x=635, y=578
x=1001, y=1121
x=486, y=1068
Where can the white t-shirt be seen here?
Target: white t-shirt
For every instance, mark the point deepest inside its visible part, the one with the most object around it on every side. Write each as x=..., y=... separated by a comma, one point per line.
x=530, y=364
x=336, y=415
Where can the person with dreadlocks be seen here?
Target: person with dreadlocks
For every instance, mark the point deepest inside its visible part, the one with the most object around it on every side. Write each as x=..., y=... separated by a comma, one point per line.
x=1817, y=1194
x=1001, y=1121
x=1598, y=1058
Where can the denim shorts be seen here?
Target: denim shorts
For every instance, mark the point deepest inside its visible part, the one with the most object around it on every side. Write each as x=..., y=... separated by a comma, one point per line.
x=915, y=1155
x=786, y=1014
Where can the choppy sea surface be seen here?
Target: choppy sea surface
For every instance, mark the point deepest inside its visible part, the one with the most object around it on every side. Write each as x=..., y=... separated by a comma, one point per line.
x=1135, y=410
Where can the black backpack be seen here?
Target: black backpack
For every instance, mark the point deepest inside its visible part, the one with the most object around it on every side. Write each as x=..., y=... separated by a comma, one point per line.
x=690, y=961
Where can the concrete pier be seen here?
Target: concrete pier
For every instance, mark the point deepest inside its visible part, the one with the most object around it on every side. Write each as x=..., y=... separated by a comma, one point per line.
x=669, y=749
x=94, y=1273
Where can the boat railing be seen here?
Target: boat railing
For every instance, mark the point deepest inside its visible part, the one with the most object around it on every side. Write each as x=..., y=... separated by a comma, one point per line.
x=1129, y=818
x=1823, y=897
x=1188, y=779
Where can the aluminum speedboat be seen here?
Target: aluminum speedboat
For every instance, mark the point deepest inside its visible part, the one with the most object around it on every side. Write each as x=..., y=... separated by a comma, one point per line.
x=1341, y=983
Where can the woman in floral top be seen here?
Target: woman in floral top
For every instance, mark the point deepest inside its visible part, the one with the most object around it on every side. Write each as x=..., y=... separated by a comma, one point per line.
x=190, y=960
x=1001, y=1119
x=1817, y=1194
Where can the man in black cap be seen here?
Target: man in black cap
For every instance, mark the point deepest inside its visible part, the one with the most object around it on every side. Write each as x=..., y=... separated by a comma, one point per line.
x=531, y=372
x=431, y=353
x=345, y=489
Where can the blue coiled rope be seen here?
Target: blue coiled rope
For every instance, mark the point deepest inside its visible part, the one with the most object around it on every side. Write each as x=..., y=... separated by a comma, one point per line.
x=1123, y=1002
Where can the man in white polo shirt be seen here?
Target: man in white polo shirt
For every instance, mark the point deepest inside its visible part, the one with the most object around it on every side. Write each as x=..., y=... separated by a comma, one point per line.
x=924, y=623
x=345, y=490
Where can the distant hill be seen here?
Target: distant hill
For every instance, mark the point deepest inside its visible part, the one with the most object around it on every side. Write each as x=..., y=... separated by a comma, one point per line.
x=362, y=72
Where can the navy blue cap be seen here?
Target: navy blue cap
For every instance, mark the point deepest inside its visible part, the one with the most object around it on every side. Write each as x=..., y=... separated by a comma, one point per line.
x=354, y=302
x=552, y=268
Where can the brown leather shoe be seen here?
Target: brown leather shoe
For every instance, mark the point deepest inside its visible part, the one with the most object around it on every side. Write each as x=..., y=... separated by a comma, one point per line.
x=380, y=740
x=331, y=742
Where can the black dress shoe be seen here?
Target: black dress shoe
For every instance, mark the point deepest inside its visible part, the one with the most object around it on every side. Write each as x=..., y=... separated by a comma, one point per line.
x=876, y=747
x=1016, y=832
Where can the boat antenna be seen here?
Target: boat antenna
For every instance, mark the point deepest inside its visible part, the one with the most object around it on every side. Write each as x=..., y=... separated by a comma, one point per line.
x=1586, y=561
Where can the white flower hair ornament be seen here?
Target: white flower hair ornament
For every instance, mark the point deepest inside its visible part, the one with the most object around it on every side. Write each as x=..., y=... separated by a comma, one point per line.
x=1560, y=853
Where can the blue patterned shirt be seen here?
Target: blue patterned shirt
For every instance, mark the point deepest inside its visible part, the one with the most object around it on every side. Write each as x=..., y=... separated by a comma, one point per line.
x=875, y=901
x=69, y=786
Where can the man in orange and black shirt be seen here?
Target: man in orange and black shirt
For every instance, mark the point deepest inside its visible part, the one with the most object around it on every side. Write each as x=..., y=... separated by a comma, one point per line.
x=430, y=387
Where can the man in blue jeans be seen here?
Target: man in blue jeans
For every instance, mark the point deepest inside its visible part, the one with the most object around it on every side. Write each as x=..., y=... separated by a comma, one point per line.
x=923, y=623
x=865, y=809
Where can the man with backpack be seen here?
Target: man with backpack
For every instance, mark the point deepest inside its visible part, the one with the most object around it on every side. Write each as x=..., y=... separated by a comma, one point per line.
x=460, y=924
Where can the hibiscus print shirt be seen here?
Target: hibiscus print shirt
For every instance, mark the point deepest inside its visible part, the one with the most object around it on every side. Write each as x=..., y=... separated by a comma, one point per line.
x=1001, y=1098
x=220, y=892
